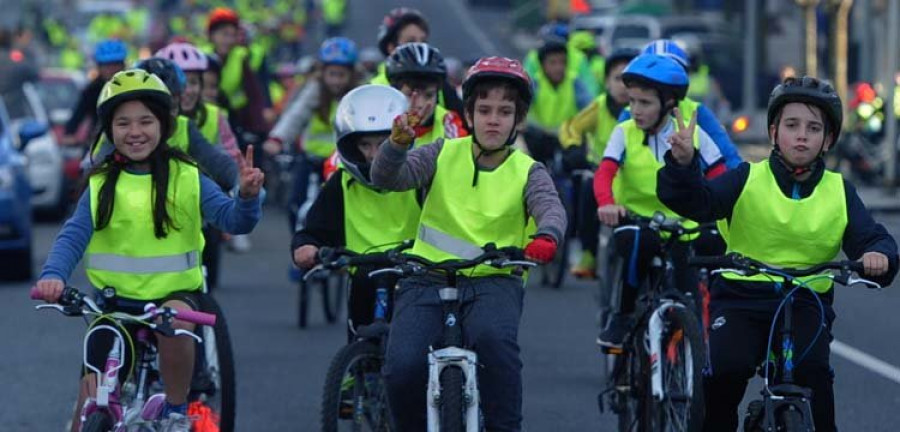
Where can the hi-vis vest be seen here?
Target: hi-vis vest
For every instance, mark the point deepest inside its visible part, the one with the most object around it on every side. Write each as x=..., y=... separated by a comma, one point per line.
x=232, y=79
x=777, y=230
x=458, y=219
x=553, y=105
x=637, y=175
x=374, y=220
x=605, y=125
x=210, y=128
x=437, y=129
x=699, y=80
x=127, y=255
x=180, y=138
x=318, y=139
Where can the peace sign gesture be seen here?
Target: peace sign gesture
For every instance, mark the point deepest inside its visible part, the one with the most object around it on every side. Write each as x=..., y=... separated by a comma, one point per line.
x=682, y=141
x=251, y=178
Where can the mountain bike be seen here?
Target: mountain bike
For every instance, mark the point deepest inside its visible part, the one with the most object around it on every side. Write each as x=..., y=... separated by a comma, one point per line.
x=354, y=396
x=136, y=403
x=653, y=383
x=785, y=406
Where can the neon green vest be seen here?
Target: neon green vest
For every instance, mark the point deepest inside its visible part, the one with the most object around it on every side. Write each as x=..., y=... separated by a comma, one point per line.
x=381, y=76
x=605, y=125
x=458, y=218
x=770, y=227
x=375, y=221
x=232, y=79
x=333, y=11
x=210, y=128
x=319, y=137
x=699, y=80
x=437, y=130
x=637, y=175
x=127, y=255
x=553, y=106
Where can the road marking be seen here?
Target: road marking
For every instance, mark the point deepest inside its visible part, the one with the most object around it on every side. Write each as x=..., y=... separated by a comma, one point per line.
x=865, y=360
x=483, y=41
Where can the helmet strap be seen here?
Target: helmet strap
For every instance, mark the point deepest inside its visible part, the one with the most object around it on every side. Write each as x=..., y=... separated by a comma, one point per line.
x=797, y=171
x=487, y=152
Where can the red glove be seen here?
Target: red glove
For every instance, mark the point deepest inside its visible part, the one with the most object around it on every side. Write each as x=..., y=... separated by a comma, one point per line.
x=541, y=249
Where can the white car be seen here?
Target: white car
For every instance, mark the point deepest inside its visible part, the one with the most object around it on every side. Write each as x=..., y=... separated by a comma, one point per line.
x=45, y=161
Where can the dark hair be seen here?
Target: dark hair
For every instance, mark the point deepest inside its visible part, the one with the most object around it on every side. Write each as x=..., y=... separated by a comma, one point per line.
x=510, y=92
x=323, y=109
x=551, y=48
x=419, y=83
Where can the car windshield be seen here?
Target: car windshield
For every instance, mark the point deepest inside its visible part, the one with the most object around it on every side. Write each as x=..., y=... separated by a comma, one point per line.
x=17, y=105
x=58, y=94
x=631, y=31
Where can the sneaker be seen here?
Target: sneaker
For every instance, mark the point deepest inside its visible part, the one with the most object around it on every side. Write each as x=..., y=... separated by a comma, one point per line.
x=586, y=267
x=175, y=422
x=614, y=333
x=240, y=243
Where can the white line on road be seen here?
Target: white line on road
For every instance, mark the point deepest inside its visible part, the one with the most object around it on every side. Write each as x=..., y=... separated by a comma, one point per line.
x=483, y=41
x=865, y=360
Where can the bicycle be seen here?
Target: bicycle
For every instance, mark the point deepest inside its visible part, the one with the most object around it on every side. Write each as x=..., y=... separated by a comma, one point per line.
x=453, y=400
x=137, y=402
x=355, y=370
x=653, y=383
x=784, y=406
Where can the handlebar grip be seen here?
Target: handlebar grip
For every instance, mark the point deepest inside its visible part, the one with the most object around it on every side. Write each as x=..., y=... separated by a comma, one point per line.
x=857, y=267
x=375, y=259
x=196, y=317
x=35, y=293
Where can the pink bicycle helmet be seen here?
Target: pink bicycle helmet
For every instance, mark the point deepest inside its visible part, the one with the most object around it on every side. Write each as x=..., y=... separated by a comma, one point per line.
x=185, y=55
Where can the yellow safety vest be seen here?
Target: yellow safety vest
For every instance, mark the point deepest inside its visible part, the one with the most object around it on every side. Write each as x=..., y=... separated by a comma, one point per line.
x=700, y=82
x=210, y=128
x=333, y=11
x=374, y=220
x=458, y=219
x=232, y=80
x=127, y=255
x=437, y=130
x=318, y=139
x=553, y=105
x=780, y=231
x=605, y=125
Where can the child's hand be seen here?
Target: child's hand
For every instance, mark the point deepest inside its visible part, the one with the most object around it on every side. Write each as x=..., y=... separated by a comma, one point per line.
x=305, y=256
x=875, y=263
x=403, y=131
x=610, y=214
x=251, y=178
x=682, y=141
x=541, y=250
x=50, y=289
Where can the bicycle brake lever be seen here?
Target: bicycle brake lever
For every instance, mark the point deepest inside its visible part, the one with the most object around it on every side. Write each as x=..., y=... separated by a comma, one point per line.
x=871, y=285
x=389, y=270
x=312, y=271
x=182, y=332
x=517, y=263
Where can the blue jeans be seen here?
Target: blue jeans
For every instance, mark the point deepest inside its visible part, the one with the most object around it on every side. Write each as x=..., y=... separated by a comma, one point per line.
x=491, y=310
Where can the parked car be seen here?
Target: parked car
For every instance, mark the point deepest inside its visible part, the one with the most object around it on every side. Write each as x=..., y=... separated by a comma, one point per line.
x=59, y=90
x=45, y=161
x=15, y=199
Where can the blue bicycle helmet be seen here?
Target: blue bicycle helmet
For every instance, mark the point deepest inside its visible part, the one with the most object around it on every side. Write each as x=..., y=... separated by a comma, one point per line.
x=668, y=48
x=554, y=32
x=338, y=51
x=167, y=71
x=658, y=72
x=110, y=51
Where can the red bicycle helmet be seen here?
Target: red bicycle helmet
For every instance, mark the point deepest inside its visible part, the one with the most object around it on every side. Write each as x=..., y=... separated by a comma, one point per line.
x=498, y=67
x=220, y=16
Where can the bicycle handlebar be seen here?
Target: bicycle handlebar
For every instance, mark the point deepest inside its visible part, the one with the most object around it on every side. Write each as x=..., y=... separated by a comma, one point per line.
x=748, y=266
x=659, y=222
x=72, y=297
x=493, y=256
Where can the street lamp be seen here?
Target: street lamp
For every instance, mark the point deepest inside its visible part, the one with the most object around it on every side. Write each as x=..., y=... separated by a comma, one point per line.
x=809, y=13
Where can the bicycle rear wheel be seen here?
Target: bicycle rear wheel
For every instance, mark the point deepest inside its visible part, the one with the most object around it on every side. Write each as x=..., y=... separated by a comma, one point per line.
x=629, y=384
x=354, y=396
x=791, y=420
x=98, y=421
x=681, y=363
x=453, y=406
x=212, y=398
x=553, y=274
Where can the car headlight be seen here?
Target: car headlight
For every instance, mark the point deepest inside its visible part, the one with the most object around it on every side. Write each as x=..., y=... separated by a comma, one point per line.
x=7, y=179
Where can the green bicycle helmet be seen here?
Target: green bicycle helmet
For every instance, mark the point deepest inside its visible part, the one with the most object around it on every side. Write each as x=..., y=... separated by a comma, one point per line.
x=130, y=85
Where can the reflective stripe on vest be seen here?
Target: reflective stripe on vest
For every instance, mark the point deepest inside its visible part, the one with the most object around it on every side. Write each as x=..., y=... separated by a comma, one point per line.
x=210, y=128
x=637, y=175
x=458, y=218
x=126, y=253
x=375, y=220
x=770, y=227
x=232, y=78
x=437, y=129
x=318, y=139
x=553, y=105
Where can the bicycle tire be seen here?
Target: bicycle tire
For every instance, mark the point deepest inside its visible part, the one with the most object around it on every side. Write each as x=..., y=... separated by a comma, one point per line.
x=98, y=421
x=452, y=405
x=332, y=289
x=302, y=303
x=609, y=298
x=630, y=385
x=376, y=415
x=218, y=362
x=791, y=420
x=553, y=274
x=679, y=410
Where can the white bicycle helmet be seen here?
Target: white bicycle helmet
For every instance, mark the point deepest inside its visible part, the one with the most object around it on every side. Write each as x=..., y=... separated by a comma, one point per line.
x=185, y=55
x=364, y=110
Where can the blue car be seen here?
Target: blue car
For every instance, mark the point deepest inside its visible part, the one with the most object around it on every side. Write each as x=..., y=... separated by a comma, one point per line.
x=15, y=199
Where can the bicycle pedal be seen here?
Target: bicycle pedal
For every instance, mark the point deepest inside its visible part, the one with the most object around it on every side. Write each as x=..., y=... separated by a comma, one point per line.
x=612, y=350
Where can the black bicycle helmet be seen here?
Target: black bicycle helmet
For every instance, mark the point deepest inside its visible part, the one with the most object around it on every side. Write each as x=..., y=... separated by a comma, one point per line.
x=395, y=20
x=619, y=55
x=416, y=60
x=167, y=71
x=808, y=90
x=551, y=47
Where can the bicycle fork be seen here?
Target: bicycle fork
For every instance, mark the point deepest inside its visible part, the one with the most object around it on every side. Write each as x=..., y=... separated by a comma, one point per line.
x=452, y=356
x=655, y=330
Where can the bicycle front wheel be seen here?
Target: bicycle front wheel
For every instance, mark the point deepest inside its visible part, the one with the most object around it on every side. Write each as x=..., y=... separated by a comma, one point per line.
x=333, y=287
x=453, y=407
x=98, y=421
x=681, y=363
x=213, y=385
x=354, y=397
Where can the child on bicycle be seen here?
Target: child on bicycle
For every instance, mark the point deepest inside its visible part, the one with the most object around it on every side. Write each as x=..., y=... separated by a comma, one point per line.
x=786, y=211
x=633, y=155
x=350, y=211
x=480, y=190
x=418, y=70
x=146, y=248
